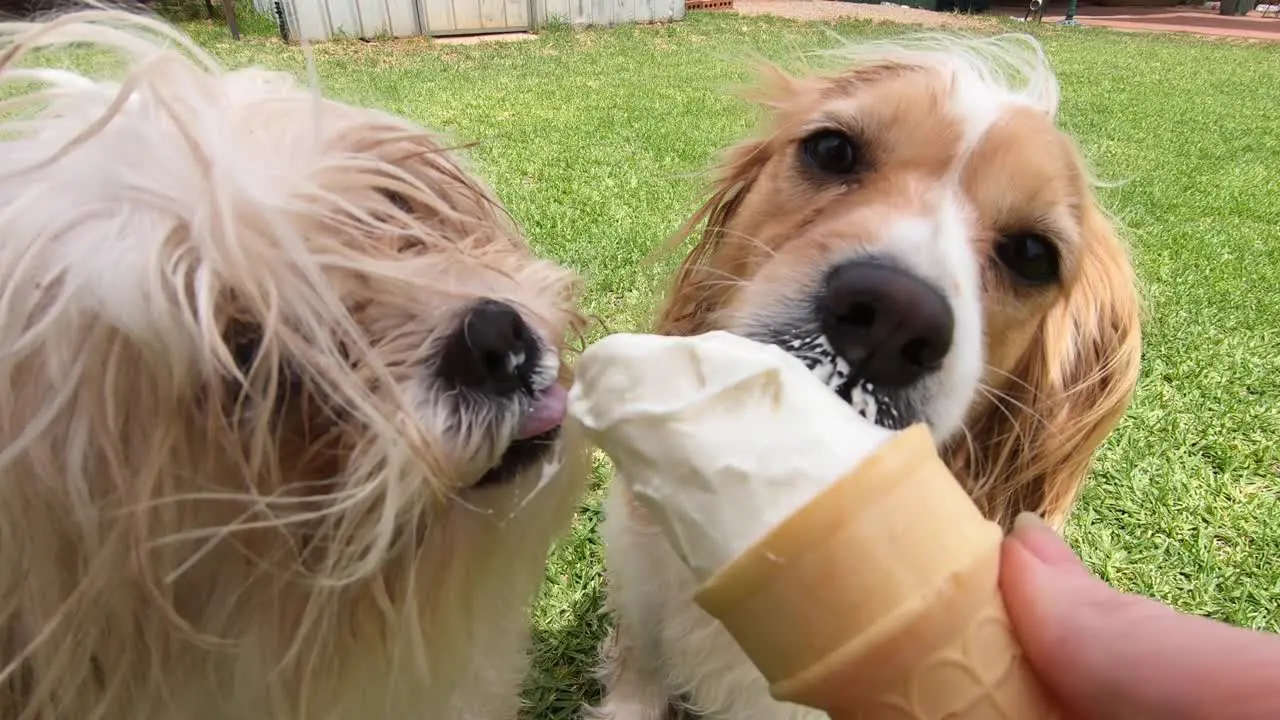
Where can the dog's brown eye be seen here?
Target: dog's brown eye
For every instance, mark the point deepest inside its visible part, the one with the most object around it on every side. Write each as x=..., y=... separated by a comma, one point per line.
x=831, y=152
x=1031, y=257
x=245, y=342
x=398, y=200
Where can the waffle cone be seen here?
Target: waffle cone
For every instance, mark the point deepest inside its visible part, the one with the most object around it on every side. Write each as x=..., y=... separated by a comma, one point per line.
x=879, y=600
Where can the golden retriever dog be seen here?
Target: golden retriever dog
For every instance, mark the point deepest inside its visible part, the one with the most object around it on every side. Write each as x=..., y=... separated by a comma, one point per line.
x=282, y=390
x=913, y=226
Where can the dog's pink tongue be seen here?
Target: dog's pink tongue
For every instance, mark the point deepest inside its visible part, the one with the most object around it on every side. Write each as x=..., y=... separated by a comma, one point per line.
x=546, y=414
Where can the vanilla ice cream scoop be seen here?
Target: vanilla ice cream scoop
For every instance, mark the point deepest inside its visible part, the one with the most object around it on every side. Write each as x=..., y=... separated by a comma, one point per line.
x=693, y=425
x=844, y=559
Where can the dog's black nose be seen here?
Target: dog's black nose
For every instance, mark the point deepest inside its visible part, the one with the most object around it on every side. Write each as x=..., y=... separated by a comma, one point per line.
x=892, y=327
x=492, y=351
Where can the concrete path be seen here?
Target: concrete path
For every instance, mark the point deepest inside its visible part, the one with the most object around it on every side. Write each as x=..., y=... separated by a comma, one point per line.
x=1179, y=18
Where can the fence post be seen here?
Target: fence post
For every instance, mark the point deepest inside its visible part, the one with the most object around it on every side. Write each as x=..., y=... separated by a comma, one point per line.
x=1070, y=19
x=229, y=11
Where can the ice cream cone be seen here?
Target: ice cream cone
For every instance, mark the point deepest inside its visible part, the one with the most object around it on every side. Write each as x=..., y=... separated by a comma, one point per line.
x=879, y=600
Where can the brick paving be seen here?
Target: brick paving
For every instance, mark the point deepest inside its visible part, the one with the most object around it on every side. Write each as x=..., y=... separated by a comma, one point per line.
x=1178, y=18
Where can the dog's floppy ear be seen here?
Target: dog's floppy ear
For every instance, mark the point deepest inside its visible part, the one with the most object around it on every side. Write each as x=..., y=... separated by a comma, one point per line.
x=774, y=90
x=1034, y=451
x=706, y=275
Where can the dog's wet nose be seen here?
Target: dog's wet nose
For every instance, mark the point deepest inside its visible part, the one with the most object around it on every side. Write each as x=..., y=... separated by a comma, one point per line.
x=492, y=351
x=892, y=327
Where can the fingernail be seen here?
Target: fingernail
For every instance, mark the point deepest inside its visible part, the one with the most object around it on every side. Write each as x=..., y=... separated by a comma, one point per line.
x=1032, y=533
x=1028, y=521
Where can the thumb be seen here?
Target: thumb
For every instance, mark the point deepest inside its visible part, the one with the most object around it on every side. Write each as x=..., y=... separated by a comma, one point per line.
x=1107, y=654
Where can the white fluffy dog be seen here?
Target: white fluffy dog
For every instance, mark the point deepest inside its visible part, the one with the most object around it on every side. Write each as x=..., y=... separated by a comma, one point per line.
x=281, y=386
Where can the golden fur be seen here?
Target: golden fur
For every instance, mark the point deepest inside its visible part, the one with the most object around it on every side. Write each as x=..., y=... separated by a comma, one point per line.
x=961, y=150
x=184, y=534
x=1061, y=369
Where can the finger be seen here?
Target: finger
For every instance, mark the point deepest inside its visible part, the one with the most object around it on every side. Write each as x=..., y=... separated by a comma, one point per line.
x=1061, y=618
x=1046, y=545
x=1107, y=654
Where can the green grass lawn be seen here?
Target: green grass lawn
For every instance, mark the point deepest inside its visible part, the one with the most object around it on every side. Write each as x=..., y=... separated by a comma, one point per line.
x=595, y=140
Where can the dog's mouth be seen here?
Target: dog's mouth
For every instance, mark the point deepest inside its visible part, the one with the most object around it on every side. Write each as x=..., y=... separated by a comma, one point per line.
x=878, y=406
x=535, y=436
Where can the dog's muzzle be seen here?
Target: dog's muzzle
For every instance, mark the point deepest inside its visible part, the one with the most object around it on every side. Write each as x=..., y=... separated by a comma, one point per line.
x=494, y=356
x=890, y=326
x=492, y=352
x=872, y=332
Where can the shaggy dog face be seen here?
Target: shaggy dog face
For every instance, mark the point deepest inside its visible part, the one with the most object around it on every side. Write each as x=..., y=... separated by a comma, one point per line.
x=283, y=391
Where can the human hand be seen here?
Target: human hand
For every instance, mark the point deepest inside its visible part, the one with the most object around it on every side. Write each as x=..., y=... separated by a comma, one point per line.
x=1107, y=654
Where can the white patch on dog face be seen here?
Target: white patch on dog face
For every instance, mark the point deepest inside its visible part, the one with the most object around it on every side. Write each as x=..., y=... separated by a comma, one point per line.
x=938, y=248
x=978, y=105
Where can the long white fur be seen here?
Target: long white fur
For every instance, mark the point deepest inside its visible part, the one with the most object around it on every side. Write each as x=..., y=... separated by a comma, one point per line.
x=1013, y=63
x=162, y=554
x=667, y=649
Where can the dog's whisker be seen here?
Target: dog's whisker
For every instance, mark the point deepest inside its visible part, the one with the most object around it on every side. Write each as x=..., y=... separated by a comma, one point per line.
x=1000, y=398
x=1020, y=382
x=997, y=449
x=279, y=498
x=744, y=238
x=710, y=285
x=970, y=443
